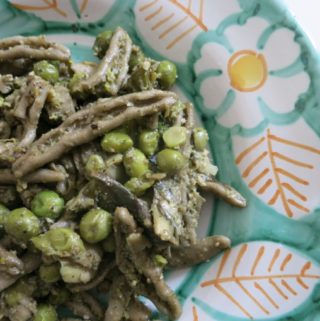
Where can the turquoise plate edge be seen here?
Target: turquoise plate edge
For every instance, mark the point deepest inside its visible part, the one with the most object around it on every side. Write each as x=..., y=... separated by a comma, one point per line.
x=274, y=11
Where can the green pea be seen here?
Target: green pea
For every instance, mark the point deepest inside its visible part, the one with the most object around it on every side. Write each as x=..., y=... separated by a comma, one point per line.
x=4, y=212
x=63, y=239
x=135, y=163
x=46, y=312
x=109, y=244
x=116, y=142
x=102, y=43
x=170, y=161
x=59, y=296
x=167, y=72
x=138, y=186
x=62, y=242
x=50, y=273
x=47, y=204
x=95, y=164
x=74, y=273
x=22, y=224
x=148, y=142
x=175, y=136
x=160, y=260
x=200, y=138
x=96, y=225
x=46, y=71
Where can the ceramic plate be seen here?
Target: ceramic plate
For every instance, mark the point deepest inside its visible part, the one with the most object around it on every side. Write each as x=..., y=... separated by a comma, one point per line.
x=253, y=78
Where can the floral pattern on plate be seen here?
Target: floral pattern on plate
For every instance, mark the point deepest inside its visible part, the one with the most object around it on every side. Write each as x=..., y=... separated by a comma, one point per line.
x=255, y=280
x=250, y=73
x=281, y=169
x=60, y=10
x=176, y=23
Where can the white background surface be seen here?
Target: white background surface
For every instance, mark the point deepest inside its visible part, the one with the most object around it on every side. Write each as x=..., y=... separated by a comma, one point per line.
x=308, y=14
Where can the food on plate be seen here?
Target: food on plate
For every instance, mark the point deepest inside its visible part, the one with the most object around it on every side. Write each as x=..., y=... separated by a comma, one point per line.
x=102, y=171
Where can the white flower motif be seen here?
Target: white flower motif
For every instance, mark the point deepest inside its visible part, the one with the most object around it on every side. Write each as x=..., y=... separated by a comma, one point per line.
x=244, y=82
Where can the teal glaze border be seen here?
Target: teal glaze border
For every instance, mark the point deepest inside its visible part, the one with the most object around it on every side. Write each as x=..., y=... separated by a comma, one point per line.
x=258, y=221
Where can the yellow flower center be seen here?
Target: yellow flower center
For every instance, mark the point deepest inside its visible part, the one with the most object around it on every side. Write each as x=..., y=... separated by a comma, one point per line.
x=247, y=70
